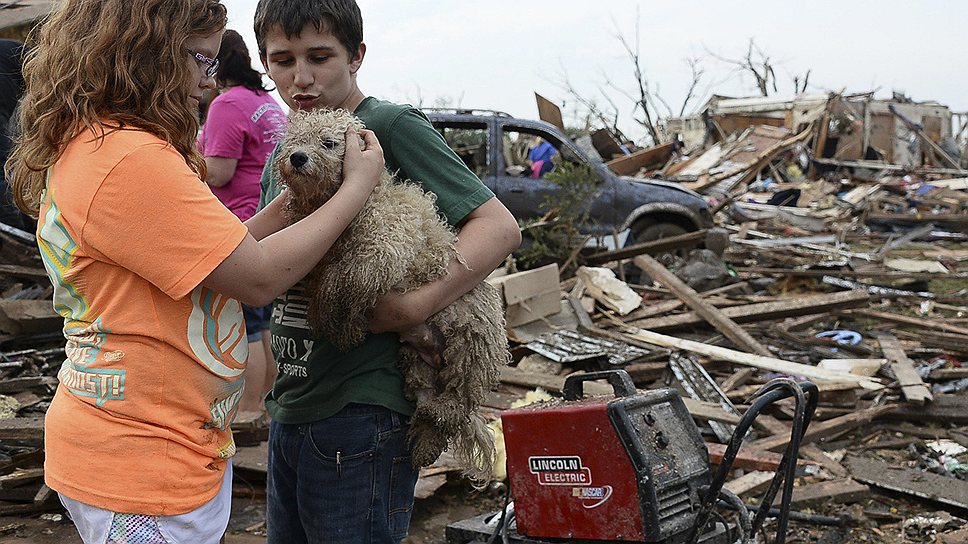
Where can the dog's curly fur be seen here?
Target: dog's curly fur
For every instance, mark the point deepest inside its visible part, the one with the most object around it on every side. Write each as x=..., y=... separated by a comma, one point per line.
x=398, y=242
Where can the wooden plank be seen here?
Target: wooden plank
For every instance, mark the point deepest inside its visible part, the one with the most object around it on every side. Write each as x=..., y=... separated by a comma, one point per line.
x=22, y=428
x=21, y=477
x=549, y=112
x=748, y=458
x=554, y=384
x=28, y=316
x=691, y=298
x=655, y=156
x=748, y=359
x=825, y=429
x=23, y=271
x=653, y=247
x=738, y=378
x=912, y=387
x=951, y=409
x=751, y=482
x=764, y=311
x=814, y=453
x=926, y=485
x=646, y=372
x=16, y=385
x=921, y=323
x=842, y=491
x=942, y=374
x=745, y=271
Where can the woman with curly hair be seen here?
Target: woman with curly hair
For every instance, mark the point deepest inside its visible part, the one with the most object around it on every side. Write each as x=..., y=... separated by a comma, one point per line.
x=242, y=127
x=148, y=268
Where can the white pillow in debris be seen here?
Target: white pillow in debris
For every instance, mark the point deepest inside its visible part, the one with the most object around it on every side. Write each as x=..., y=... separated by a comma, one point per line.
x=604, y=287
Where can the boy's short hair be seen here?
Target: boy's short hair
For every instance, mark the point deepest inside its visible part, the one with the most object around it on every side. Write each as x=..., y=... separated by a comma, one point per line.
x=341, y=18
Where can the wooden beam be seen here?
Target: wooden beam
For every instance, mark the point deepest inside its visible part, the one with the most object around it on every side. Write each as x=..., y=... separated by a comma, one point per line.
x=643, y=158
x=653, y=247
x=912, y=387
x=921, y=323
x=841, y=491
x=919, y=483
x=23, y=271
x=691, y=298
x=943, y=409
x=16, y=385
x=825, y=429
x=764, y=311
x=699, y=409
x=813, y=452
x=745, y=271
x=748, y=359
x=22, y=428
x=748, y=458
x=751, y=482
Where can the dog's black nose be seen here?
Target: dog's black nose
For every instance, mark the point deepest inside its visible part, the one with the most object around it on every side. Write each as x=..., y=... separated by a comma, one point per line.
x=298, y=159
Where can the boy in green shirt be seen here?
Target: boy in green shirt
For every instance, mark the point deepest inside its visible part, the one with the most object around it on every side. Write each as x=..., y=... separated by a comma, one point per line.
x=339, y=466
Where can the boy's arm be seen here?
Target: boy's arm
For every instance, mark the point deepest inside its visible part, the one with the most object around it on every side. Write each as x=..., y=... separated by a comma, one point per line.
x=488, y=235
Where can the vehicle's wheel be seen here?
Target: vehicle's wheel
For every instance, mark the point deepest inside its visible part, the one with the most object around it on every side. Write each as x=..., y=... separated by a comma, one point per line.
x=648, y=232
x=644, y=231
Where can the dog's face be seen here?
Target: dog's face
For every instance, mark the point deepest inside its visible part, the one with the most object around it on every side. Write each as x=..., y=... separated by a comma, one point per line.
x=310, y=157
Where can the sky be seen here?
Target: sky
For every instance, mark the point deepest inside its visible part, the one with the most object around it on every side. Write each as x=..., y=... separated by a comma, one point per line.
x=496, y=54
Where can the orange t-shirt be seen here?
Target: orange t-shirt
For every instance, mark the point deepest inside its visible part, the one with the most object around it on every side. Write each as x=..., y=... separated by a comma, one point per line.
x=140, y=420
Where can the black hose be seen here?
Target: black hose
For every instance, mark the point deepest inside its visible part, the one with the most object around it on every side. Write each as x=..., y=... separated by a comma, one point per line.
x=806, y=394
x=832, y=521
x=501, y=522
x=804, y=407
x=745, y=527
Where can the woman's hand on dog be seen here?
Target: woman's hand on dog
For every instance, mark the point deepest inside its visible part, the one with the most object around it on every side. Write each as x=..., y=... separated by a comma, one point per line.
x=362, y=167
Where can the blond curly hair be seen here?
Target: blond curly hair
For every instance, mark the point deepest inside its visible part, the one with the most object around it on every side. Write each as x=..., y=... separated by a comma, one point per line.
x=101, y=65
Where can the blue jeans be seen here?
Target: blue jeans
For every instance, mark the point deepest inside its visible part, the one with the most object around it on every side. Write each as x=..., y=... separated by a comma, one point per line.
x=345, y=479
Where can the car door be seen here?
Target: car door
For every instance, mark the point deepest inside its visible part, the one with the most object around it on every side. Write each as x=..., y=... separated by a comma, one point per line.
x=471, y=141
x=522, y=194
x=525, y=191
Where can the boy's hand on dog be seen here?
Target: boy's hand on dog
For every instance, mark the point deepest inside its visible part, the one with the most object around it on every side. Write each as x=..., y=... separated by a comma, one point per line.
x=362, y=167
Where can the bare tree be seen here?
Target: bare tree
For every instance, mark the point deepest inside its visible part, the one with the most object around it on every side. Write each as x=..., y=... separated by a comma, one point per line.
x=645, y=101
x=608, y=119
x=761, y=68
x=800, y=86
x=697, y=73
x=648, y=106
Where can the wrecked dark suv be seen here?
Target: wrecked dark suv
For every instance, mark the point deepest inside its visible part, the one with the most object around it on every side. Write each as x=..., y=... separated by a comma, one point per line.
x=495, y=146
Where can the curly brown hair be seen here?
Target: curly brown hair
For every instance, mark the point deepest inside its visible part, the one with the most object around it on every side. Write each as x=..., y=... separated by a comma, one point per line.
x=100, y=65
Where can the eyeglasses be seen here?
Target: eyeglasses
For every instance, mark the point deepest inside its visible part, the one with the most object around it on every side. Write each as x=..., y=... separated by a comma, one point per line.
x=211, y=65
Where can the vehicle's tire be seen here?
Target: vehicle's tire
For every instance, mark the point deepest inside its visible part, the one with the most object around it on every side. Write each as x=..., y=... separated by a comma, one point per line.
x=647, y=232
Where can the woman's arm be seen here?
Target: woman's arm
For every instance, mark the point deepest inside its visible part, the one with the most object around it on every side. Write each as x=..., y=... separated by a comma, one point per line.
x=270, y=219
x=260, y=270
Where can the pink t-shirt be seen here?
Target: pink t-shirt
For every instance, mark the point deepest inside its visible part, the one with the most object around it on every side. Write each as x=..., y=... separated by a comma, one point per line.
x=246, y=125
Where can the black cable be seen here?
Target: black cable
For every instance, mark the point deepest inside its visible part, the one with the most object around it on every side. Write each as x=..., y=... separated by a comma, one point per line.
x=806, y=394
x=504, y=510
x=745, y=528
x=832, y=521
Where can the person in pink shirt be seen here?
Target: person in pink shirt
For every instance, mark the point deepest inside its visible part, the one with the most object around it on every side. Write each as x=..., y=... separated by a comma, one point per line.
x=243, y=126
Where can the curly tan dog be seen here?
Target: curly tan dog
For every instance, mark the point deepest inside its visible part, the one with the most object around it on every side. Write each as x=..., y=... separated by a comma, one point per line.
x=398, y=243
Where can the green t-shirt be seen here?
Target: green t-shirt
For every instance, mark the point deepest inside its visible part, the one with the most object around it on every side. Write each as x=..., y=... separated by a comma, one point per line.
x=315, y=379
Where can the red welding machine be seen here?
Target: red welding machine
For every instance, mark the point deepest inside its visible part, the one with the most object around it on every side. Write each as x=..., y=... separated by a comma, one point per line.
x=627, y=468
